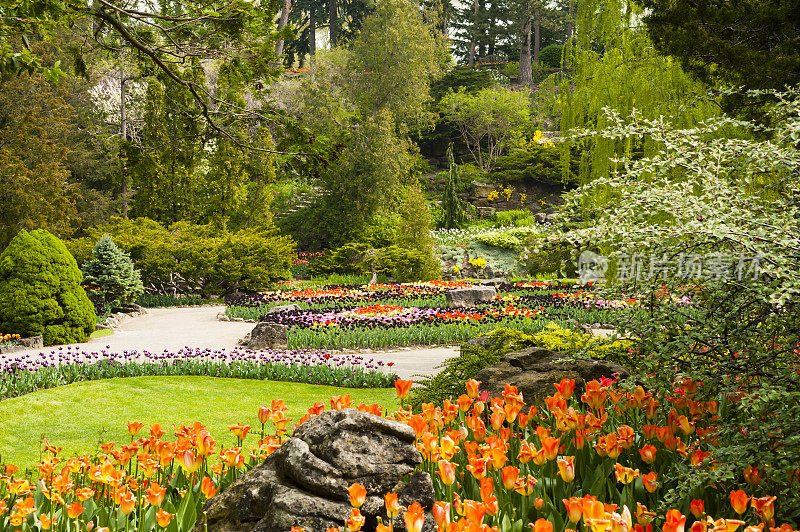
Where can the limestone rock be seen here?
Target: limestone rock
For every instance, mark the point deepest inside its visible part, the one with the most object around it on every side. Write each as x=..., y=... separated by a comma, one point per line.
x=304, y=483
x=281, y=309
x=266, y=335
x=534, y=370
x=469, y=297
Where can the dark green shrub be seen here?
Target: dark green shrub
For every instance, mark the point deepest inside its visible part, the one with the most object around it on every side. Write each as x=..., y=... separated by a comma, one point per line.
x=40, y=290
x=535, y=163
x=472, y=80
x=192, y=258
x=550, y=56
x=553, y=258
x=452, y=206
x=109, y=277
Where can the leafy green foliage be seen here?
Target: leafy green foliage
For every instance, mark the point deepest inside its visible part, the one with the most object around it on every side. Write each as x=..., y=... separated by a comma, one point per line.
x=715, y=192
x=487, y=120
x=188, y=257
x=532, y=162
x=109, y=276
x=551, y=56
x=452, y=206
x=470, y=80
x=517, y=217
x=40, y=290
x=749, y=43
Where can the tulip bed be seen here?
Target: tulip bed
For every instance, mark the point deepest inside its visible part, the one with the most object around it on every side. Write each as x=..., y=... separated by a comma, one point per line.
x=383, y=315
x=61, y=366
x=603, y=462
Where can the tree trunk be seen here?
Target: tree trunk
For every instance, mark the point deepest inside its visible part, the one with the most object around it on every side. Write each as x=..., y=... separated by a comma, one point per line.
x=333, y=26
x=482, y=45
x=568, y=42
x=123, y=134
x=525, y=70
x=474, y=35
x=287, y=6
x=492, y=27
x=537, y=33
x=312, y=33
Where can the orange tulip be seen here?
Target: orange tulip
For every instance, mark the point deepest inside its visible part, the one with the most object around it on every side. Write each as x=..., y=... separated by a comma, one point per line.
x=486, y=487
x=541, y=525
x=392, y=504
x=595, y=395
x=239, y=430
x=675, y=521
x=75, y=510
x=764, y=507
x=126, y=502
x=643, y=517
x=155, y=494
x=698, y=508
x=163, y=517
x=566, y=387
x=447, y=471
x=402, y=387
x=84, y=494
x=566, y=468
x=339, y=402
x=538, y=503
x=45, y=522
x=477, y=466
x=263, y=414
x=188, y=461
x=358, y=493
x=573, y=509
x=414, y=518
x=134, y=427
x=355, y=521
x=648, y=453
x=472, y=388
x=474, y=512
x=625, y=475
x=441, y=514
x=509, y=475
x=208, y=488
x=550, y=446
x=739, y=500
x=649, y=481
x=752, y=475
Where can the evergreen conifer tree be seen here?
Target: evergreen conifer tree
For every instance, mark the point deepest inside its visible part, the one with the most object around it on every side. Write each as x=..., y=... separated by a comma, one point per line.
x=109, y=275
x=451, y=203
x=40, y=290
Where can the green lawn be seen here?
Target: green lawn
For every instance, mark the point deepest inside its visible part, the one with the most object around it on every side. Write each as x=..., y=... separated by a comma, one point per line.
x=81, y=415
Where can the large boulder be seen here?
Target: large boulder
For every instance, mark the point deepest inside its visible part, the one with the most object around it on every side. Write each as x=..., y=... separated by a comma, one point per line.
x=266, y=335
x=534, y=370
x=304, y=483
x=469, y=297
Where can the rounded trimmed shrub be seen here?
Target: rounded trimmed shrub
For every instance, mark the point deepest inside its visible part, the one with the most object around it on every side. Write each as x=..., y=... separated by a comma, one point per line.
x=550, y=56
x=40, y=290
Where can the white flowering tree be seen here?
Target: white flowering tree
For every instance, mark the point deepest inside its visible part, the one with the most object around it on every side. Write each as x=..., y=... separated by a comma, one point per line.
x=724, y=194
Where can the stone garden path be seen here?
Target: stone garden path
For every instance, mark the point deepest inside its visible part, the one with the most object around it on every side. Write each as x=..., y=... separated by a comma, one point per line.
x=174, y=328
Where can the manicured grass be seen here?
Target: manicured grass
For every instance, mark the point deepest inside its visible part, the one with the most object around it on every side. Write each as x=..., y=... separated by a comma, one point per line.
x=81, y=415
x=101, y=333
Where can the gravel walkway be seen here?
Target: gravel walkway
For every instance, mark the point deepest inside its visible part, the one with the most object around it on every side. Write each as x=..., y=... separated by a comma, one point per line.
x=173, y=328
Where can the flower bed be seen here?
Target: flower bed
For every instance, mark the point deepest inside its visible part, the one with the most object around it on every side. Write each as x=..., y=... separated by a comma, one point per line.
x=64, y=366
x=608, y=460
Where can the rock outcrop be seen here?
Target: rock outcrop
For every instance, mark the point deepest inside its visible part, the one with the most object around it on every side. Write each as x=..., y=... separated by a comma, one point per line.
x=304, y=483
x=266, y=335
x=469, y=297
x=534, y=370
